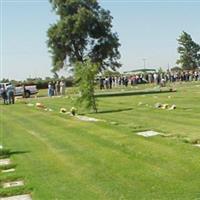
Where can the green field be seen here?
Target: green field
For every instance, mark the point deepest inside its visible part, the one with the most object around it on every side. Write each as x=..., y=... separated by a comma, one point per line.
x=60, y=157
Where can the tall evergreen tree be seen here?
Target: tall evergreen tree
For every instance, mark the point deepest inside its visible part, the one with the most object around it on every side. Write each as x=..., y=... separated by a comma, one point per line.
x=189, y=52
x=83, y=31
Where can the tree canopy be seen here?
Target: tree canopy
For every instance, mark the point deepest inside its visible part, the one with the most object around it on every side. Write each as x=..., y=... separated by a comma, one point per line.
x=83, y=31
x=189, y=52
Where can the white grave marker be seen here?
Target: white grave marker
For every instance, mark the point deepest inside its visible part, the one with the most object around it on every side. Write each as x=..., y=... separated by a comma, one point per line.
x=8, y=170
x=18, y=197
x=197, y=145
x=4, y=162
x=13, y=184
x=148, y=133
x=87, y=119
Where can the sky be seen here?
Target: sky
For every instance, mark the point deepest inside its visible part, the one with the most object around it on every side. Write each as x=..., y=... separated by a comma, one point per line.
x=147, y=30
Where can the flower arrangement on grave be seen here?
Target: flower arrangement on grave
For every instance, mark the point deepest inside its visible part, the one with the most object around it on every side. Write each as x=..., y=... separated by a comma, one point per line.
x=173, y=107
x=165, y=106
x=73, y=111
x=63, y=110
x=40, y=105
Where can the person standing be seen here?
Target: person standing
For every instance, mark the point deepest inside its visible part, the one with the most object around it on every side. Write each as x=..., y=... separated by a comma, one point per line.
x=4, y=95
x=57, y=88
x=126, y=81
x=110, y=82
x=62, y=87
x=101, y=82
x=49, y=89
x=53, y=88
x=10, y=91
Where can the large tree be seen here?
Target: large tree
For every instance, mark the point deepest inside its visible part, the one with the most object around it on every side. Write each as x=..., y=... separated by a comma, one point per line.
x=82, y=32
x=189, y=52
x=85, y=75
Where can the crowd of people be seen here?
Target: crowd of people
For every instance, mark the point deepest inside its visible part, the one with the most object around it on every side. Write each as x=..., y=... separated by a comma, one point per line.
x=56, y=88
x=109, y=82
x=8, y=94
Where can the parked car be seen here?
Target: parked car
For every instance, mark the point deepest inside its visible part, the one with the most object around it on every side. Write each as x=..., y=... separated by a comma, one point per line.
x=26, y=91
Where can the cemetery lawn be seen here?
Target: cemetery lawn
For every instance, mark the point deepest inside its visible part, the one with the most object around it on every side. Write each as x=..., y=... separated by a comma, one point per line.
x=61, y=158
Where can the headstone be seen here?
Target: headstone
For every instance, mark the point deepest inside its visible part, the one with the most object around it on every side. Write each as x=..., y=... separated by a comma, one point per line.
x=13, y=184
x=8, y=170
x=148, y=133
x=4, y=162
x=18, y=197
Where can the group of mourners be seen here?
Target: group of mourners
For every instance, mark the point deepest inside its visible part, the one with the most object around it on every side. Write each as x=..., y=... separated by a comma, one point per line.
x=157, y=78
x=56, y=88
x=109, y=82
x=8, y=94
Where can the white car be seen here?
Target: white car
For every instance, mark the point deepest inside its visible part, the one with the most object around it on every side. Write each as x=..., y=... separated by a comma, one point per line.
x=19, y=91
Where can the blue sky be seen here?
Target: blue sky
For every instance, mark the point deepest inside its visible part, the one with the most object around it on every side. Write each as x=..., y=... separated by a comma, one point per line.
x=146, y=29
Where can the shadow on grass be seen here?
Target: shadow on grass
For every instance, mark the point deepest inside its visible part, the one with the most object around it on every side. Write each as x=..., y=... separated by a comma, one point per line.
x=9, y=166
x=129, y=93
x=7, y=153
x=113, y=111
x=18, y=152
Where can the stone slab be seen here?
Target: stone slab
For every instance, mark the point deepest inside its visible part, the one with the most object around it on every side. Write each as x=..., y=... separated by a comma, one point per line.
x=30, y=104
x=13, y=184
x=87, y=119
x=196, y=145
x=8, y=170
x=5, y=162
x=148, y=133
x=18, y=197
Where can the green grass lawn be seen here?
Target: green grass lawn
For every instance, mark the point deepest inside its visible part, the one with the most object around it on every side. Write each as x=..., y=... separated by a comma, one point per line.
x=60, y=157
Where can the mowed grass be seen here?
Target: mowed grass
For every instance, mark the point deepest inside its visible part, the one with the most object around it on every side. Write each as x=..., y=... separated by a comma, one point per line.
x=60, y=157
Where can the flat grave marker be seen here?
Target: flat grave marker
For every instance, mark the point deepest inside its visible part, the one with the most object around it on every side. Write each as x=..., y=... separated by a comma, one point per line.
x=8, y=170
x=5, y=162
x=87, y=119
x=196, y=145
x=13, y=184
x=148, y=133
x=18, y=197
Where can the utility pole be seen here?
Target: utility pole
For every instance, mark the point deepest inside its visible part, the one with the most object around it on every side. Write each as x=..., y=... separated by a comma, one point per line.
x=144, y=60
